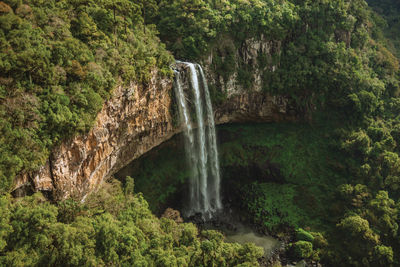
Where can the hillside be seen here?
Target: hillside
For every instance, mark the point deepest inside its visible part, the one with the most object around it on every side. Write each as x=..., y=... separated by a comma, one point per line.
x=308, y=92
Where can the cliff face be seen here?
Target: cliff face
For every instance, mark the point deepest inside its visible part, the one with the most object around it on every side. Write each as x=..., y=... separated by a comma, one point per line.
x=139, y=118
x=248, y=102
x=136, y=119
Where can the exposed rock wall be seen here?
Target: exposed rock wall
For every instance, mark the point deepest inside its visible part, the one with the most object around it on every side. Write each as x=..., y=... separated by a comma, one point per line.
x=256, y=107
x=249, y=103
x=254, y=55
x=138, y=118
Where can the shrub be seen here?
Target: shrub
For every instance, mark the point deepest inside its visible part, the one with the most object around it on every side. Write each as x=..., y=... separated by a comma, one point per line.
x=302, y=249
x=302, y=235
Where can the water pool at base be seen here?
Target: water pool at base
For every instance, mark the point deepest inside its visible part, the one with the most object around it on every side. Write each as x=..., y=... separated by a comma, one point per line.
x=246, y=235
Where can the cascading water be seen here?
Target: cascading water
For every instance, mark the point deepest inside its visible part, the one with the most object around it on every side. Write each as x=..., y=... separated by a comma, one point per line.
x=200, y=144
x=212, y=141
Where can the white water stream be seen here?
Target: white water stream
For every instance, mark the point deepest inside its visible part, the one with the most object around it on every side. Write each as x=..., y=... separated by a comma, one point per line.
x=200, y=143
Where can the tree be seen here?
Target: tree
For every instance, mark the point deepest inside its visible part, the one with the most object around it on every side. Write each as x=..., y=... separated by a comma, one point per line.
x=357, y=238
x=5, y=228
x=383, y=214
x=149, y=11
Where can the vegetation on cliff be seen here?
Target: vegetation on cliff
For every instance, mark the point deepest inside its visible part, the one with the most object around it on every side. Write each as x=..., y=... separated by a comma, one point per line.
x=335, y=181
x=334, y=61
x=390, y=11
x=291, y=176
x=59, y=61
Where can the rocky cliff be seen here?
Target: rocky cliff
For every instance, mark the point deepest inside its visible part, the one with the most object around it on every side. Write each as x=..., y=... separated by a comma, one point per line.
x=136, y=119
x=139, y=117
x=247, y=101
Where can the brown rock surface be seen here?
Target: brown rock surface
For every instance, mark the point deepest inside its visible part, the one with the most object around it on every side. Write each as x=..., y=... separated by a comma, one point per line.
x=136, y=119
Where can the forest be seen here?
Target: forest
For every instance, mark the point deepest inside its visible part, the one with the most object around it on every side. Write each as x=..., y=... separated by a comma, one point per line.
x=337, y=198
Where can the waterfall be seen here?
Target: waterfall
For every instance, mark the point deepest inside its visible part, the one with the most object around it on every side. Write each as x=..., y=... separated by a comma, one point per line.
x=190, y=146
x=200, y=143
x=212, y=141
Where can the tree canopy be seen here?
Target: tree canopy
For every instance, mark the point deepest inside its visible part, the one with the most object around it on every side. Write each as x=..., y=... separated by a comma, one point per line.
x=60, y=61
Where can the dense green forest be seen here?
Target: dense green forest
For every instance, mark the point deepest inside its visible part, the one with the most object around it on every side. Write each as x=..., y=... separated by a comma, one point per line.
x=60, y=60
x=114, y=227
x=390, y=21
x=337, y=192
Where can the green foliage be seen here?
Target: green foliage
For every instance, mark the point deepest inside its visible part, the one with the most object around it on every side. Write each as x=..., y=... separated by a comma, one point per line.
x=383, y=213
x=367, y=234
x=273, y=206
x=159, y=175
x=309, y=41
x=61, y=59
x=190, y=27
x=302, y=249
x=218, y=253
x=383, y=256
x=292, y=175
x=5, y=228
x=59, y=62
x=295, y=168
x=354, y=227
x=245, y=77
x=358, y=240
x=389, y=10
x=303, y=235
x=68, y=211
x=334, y=61
x=195, y=29
x=36, y=233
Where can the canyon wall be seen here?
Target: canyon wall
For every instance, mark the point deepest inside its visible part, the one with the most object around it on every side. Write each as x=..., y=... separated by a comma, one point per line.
x=138, y=118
